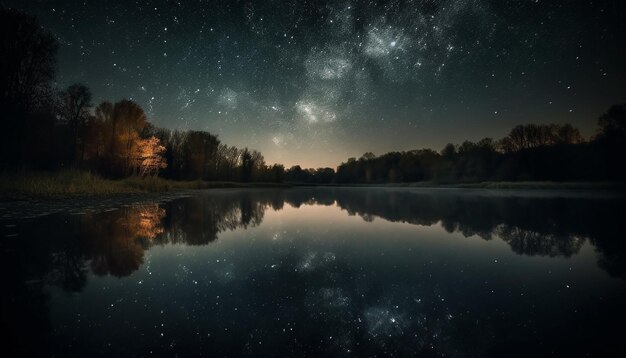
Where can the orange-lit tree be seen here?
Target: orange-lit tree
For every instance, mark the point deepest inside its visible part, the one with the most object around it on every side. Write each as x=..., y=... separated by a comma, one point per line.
x=149, y=157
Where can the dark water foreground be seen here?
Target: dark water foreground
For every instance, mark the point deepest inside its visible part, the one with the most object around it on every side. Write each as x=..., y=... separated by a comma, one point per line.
x=354, y=272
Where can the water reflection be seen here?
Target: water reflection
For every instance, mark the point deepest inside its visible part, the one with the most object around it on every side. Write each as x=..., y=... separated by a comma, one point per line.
x=349, y=305
x=113, y=242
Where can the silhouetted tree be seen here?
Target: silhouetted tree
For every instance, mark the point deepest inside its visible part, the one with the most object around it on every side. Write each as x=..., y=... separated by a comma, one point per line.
x=229, y=160
x=613, y=122
x=128, y=121
x=530, y=136
x=246, y=165
x=567, y=134
x=199, y=152
x=113, y=135
x=259, y=169
x=74, y=103
x=98, y=135
x=610, y=141
x=295, y=174
x=277, y=172
x=27, y=66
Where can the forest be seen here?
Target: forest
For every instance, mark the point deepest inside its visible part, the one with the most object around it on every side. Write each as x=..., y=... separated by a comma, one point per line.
x=531, y=152
x=46, y=128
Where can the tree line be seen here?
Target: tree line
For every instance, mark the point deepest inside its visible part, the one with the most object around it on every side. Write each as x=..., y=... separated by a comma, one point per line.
x=48, y=128
x=554, y=152
x=530, y=152
x=51, y=129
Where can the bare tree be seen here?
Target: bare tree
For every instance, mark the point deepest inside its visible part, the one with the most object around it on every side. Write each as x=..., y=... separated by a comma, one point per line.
x=74, y=110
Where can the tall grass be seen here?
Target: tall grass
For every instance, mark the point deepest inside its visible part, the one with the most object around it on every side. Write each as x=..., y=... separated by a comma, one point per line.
x=68, y=183
x=147, y=184
x=75, y=183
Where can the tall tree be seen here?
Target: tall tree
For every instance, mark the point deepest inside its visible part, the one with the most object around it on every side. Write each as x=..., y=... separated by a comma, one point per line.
x=613, y=122
x=74, y=110
x=247, y=165
x=199, y=150
x=27, y=66
x=128, y=121
x=113, y=135
x=611, y=140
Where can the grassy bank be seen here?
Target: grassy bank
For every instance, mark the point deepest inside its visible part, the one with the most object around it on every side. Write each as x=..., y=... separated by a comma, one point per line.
x=545, y=185
x=67, y=184
x=538, y=185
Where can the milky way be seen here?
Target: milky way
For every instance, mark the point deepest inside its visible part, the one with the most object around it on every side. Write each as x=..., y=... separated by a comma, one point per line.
x=315, y=82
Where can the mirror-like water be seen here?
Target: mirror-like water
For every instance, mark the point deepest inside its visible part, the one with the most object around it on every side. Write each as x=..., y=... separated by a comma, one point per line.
x=329, y=271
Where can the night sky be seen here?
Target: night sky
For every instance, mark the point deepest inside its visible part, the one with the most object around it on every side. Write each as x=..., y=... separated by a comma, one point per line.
x=316, y=82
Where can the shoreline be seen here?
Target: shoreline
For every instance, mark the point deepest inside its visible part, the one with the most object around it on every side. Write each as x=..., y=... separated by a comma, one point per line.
x=19, y=206
x=503, y=185
x=77, y=185
x=165, y=187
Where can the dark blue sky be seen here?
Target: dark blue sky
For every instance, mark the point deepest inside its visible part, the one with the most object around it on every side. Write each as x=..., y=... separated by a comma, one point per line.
x=315, y=82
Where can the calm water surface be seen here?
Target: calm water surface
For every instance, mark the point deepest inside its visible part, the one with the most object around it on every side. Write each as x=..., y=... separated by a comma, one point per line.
x=342, y=272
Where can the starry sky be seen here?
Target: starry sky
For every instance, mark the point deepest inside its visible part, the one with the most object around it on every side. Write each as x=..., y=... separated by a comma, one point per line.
x=315, y=82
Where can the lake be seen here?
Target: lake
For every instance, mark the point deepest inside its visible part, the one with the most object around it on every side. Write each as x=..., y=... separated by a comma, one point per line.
x=322, y=271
